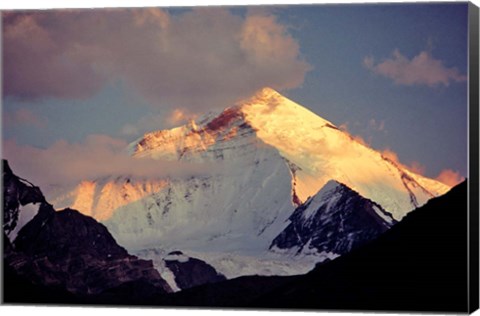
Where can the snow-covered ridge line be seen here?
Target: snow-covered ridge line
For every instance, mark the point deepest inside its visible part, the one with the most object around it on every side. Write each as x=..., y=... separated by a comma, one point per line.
x=274, y=154
x=324, y=152
x=335, y=220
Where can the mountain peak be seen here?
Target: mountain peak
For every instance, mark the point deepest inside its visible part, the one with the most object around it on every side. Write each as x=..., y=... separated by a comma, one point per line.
x=267, y=92
x=267, y=99
x=268, y=105
x=316, y=151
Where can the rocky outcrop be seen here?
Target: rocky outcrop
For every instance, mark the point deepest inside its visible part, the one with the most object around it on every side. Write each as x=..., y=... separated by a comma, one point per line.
x=16, y=193
x=68, y=250
x=336, y=220
x=190, y=272
x=419, y=265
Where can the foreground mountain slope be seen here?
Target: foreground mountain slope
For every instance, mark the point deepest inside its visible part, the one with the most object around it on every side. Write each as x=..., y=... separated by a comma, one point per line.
x=66, y=250
x=418, y=265
x=190, y=272
x=21, y=201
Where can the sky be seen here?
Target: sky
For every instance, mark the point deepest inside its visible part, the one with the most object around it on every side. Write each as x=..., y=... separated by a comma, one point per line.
x=90, y=82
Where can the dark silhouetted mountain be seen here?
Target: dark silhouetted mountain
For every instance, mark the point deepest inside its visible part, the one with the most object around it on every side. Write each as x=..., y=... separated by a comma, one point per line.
x=66, y=251
x=190, y=272
x=420, y=264
x=335, y=220
x=16, y=193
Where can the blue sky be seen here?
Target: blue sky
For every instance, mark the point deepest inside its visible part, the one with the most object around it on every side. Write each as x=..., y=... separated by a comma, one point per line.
x=395, y=75
x=421, y=123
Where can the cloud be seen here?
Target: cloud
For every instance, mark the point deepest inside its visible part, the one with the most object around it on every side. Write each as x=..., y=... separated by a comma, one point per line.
x=344, y=127
x=40, y=62
x=196, y=60
x=130, y=130
x=417, y=168
x=23, y=117
x=156, y=122
x=414, y=166
x=146, y=124
x=359, y=139
x=98, y=156
x=178, y=117
x=390, y=154
x=449, y=177
x=422, y=69
x=376, y=125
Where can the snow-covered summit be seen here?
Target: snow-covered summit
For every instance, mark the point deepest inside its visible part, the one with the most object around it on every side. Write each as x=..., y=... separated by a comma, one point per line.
x=265, y=113
x=270, y=156
x=315, y=149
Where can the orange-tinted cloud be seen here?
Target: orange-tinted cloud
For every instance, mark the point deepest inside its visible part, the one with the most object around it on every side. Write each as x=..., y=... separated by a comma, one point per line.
x=449, y=177
x=156, y=122
x=343, y=127
x=360, y=140
x=178, y=117
x=197, y=60
x=417, y=167
x=40, y=62
x=414, y=166
x=422, y=69
x=390, y=154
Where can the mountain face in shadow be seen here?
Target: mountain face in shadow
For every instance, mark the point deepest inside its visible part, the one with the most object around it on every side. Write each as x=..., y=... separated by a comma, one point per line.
x=17, y=192
x=190, y=272
x=63, y=252
x=335, y=220
x=420, y=264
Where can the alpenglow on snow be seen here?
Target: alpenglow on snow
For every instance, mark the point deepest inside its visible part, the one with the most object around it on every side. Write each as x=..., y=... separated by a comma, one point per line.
x=271, y=154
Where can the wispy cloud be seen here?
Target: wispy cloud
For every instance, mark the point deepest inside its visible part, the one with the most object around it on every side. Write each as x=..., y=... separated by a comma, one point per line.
x=179, y=116
x=376, y=125
x=422, y=69
x=359, y=139
x=196, y=60
x=450, y=177
x=98, y=156
x=165, y=120
x=414, y=166
x=23, y=117
x=145, y=124
x=370, y=129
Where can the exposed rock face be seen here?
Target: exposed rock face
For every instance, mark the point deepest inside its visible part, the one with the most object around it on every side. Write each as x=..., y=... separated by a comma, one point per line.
x=419, y=265
x=190, y=272
x=16, y=193
x=68, y=250
x=336, y=220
